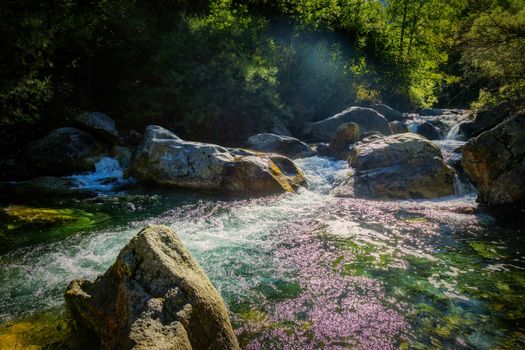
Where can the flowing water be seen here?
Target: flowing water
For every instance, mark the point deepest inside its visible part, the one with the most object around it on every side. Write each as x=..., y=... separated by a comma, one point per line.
x=306, y=270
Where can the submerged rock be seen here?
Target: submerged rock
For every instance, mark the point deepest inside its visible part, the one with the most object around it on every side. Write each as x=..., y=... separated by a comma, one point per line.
x=346, y=134
x=398, y=127
x=367, y=119
x=495, y=162
x=388, y=112
x=285, y=145
x=398, y=167
x=22, y=225
x=62, y=152
x=99, y=124
x=429, y=130
x=163, y=158
x=155, y=296
x=51, y=329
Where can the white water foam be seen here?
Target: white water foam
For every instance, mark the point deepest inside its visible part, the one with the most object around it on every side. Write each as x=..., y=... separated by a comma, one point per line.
x=108, y=176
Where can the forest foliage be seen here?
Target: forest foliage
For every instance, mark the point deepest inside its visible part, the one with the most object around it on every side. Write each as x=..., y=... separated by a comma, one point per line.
x=221, y=69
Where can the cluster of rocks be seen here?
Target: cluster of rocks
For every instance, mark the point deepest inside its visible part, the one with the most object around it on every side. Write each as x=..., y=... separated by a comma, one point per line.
x=159, y=157
x=155, y=295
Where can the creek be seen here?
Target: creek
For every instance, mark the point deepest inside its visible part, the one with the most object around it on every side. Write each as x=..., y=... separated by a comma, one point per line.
x=301, y=271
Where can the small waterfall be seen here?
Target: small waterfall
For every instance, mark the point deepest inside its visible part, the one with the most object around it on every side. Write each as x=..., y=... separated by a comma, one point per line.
x=108, y=176
x=323, y=174
x=462, y=186
x=453, y=133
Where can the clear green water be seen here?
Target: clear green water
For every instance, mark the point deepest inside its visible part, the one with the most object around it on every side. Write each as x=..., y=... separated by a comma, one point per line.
x=305, y=271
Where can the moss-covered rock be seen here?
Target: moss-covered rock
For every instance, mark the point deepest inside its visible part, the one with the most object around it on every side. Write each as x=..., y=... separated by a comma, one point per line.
x=47, y=330
x=22, y=225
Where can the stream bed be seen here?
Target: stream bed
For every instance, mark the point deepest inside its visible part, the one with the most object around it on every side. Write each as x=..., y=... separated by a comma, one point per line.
x=297, y=271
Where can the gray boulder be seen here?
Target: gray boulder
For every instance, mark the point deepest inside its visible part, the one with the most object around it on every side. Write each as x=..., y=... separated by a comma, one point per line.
x=400, y=166
x=428, y=130
x=285, y=145
x=367, y=119
x=62, y=152
x=388, y=112
x=100, y=125
x=495, y=162
x=155, y=296
x=165, y=159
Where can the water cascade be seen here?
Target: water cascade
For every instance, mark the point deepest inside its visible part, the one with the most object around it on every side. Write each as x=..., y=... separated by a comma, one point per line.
x=108, y=176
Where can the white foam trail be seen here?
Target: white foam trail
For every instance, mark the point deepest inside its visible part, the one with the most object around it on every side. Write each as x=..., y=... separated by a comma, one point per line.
x=108, y=175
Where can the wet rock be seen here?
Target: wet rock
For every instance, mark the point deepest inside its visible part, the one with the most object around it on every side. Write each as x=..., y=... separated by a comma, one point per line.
x=484, y=120
x=62, y=152
x=428, y=130
x=23, y=225
x=398, y=167
x=388, y=112
x=285, y=145
x=398, y=127
x=100, y=125
x=346, y=134
x=370, y=134
x=155, y=296
x=367, y=119
x=322, y=149
x=495, y=162
x=163, y=158
x=122, y=154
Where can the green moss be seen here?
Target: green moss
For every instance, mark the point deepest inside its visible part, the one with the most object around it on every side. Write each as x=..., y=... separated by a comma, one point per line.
x=23, y=225
x=449, y=295
x=278, y=289
x=48, y=330
x=487, y=250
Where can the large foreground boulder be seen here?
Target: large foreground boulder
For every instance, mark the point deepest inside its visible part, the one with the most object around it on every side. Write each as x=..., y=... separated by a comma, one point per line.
x=367, y=119
x=62, y=152
x=388, y=112
x=155, y=296
x=165, y=159
x=99, y=124
x=400, y=166
x=285, y=145
x=495, y=162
